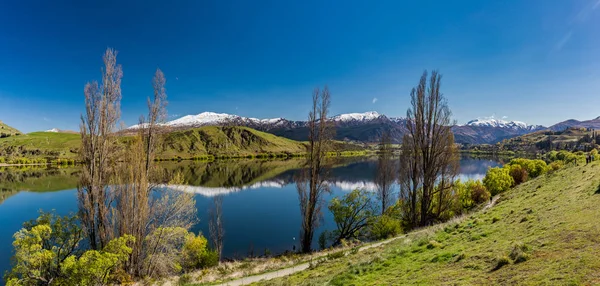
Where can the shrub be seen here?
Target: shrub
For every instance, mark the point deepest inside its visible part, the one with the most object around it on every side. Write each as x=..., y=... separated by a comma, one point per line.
x=533, y=167
x=195, y=254
x=497, y=180
x=384, y=226
x=518, y=173
x=469, y=194
x=479, y=193
x=556, y=165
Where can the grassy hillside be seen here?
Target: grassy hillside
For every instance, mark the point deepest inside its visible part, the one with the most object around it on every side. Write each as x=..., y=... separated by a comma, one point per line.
x=545, y=231
x=570, y=139
x=225, y=141
x=185, y=144
x=41, y=145
x=7, y=131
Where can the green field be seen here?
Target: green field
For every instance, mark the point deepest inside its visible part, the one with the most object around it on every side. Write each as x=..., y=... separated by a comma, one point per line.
x=545, y=231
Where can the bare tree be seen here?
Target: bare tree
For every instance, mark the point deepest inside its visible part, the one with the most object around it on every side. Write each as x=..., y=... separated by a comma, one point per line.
x=98, y=151
x=311, y=182
x=386, y=173
x=215, y=225
x=429, y=155
x=132, y=205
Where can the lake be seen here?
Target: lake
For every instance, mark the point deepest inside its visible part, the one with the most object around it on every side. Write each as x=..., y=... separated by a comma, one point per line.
x=260, y=202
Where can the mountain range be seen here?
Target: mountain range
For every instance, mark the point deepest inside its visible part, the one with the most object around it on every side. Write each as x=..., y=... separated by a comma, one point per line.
x=360, y=127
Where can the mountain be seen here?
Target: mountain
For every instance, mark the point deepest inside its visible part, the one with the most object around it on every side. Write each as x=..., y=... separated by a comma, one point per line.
x=491, y=130
x=593, y=123
x=492, y=122
x=7, y=131
x=220, y=119
x=360, y=127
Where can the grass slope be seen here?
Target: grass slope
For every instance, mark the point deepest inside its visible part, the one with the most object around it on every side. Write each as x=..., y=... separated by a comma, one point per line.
x=185, y=144
x=7, y=131
x=225, y=141
x=41, y=144
x=545, y=231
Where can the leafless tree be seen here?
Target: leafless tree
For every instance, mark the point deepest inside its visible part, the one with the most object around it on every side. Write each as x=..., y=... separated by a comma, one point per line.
x=132, y=204
x=98, y=151
x=386, y=173
x=428, y=163
x=215, y=225
x=311, y=182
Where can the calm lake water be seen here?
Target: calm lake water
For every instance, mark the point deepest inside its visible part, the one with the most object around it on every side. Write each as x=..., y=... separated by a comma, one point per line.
x=260, y=201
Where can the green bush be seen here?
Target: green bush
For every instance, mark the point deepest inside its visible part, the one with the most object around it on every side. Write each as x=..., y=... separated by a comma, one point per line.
x=385, y=226
x=47, y=249
x=533, y=167
x=497, y=180
x=195, y=254
x=470, y=193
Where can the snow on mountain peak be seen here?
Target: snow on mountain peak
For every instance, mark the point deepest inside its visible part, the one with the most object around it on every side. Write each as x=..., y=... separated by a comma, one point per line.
x=55, y=130
x=493, y=122
x=202, y=119
x=369, y=115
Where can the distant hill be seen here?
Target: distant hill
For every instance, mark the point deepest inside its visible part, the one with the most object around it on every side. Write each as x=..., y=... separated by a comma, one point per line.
x=593, y=123
x=7, y=131
x=573, y=138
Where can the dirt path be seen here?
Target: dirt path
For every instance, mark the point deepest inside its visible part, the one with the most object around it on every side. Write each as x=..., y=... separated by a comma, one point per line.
x=300, y=267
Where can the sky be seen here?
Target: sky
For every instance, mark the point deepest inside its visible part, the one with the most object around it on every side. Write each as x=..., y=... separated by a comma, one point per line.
x=536, y=61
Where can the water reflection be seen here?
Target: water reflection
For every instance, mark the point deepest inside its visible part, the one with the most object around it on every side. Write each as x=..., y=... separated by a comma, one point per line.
x=259, y=200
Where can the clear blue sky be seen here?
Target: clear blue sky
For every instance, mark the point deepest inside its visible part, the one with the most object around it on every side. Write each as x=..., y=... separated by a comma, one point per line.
x=536, y=61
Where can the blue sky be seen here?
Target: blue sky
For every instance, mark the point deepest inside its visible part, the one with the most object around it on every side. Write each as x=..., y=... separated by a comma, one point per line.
x=536, y=61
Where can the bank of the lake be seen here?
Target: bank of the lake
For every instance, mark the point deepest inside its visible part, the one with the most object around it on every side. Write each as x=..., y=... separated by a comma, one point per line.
x=543, y=231
x=259, y=197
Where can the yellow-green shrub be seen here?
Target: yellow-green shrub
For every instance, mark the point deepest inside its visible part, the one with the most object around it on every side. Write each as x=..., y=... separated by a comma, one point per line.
x=497, y=180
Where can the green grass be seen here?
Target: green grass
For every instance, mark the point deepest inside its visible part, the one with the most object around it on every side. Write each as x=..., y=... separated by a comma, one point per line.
x=545, y=231
x=41, y=145
x=7, y=131
x=204, y=144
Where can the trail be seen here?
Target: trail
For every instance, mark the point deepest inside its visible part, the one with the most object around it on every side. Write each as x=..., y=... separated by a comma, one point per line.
x=301, y=267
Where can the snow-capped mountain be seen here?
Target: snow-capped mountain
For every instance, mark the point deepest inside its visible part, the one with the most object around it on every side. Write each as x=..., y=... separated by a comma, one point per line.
x=360, y=127
x=499, y=123
x=366, y=116
x=55, y=130
x=213, y=118
x=491, y=130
